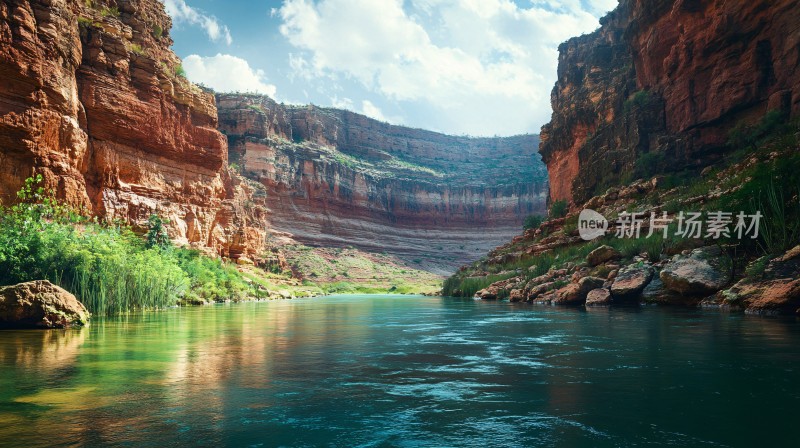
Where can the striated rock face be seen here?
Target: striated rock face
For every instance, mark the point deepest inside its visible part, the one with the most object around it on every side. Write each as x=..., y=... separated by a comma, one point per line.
x=91, y=99
x=336, y=178
x=670, y=78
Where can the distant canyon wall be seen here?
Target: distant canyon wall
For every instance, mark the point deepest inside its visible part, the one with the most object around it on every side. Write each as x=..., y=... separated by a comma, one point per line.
x=670, y=78
x=336, y=178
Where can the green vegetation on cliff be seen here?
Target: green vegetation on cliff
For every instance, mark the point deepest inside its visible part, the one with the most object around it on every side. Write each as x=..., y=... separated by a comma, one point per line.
x=107, y=266
x=760, y=175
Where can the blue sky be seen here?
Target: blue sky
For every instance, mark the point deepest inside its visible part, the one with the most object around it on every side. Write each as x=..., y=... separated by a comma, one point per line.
x=474, y=67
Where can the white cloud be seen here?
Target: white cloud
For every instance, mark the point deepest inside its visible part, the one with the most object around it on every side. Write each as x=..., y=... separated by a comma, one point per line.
x=226, y=73
x=342, y=103
x=181, y=12
x=372, y=111
x=484, y=66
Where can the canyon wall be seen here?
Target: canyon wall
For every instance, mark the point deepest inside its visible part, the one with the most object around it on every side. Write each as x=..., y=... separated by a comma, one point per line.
x=669, y=79
x=335, y=178
x=93, y=99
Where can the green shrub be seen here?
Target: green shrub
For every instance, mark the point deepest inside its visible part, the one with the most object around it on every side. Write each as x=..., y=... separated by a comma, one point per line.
x=107, y=267
x=180, y=71
x=559, y=209
x=648, y=165
x=210, y=279
x=639, y=99
x=532, y=222
x=158, y=31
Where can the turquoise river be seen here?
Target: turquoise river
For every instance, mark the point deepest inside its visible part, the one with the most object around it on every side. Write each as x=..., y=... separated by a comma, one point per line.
x=383, y=371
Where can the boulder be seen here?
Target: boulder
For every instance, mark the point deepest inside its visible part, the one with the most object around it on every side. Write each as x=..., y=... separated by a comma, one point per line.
x=538, y=290
x=40, y=304
x=704, y=271
x=655, y=292
x=775, y=297
x=516, y=295
x=631, y=280
x=489, y=293
x=546, y=298
x=602, y=254
x=575, y=293
x=598, y=297
x=791, y=254
x=589, y=283
x=776, y=291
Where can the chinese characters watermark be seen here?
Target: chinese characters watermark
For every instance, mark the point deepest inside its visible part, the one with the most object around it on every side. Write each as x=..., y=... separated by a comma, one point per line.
x=714, y=225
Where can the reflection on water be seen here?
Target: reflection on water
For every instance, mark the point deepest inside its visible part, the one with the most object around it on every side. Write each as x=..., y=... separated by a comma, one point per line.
x=402, y=371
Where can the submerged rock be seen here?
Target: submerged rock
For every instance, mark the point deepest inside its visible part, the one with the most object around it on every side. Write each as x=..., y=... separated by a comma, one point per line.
x=40, y=304
x=704, y=271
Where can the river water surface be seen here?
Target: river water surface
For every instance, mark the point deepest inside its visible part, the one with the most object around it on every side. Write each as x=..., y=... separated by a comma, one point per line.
x=404, y=371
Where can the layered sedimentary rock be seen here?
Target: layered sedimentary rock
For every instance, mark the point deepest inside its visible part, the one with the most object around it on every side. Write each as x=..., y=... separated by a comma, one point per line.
x=93, y=98
x=670, y=78
x=335, y=178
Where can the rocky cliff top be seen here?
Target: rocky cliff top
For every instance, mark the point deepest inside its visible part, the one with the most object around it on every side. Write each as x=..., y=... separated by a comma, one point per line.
x=661, y=84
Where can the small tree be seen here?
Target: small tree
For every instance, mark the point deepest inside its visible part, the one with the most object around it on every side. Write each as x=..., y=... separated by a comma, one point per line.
x=157, y=235
x=533, y=222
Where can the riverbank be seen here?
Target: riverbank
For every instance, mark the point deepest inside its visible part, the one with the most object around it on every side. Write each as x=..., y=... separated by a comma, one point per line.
x=651, y=252
x=113, y=268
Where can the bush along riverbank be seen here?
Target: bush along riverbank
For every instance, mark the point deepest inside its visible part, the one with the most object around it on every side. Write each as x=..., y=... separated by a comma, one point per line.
x=110, y=269
x=746, y=258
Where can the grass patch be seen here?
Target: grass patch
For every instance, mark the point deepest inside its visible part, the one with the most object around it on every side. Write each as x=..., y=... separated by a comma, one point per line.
x=350, y=271
x=110, y=12
x=468, y=286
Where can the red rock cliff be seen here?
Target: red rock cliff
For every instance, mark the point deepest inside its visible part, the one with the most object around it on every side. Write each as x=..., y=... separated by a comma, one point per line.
x=669, y=78
x=336, y=178
x=91, y=97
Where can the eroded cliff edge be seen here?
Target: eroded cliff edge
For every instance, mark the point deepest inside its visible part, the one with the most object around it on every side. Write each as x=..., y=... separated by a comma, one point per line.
x=669, y=79
x=335, y=178
x=93, y=98
x=670, y=108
